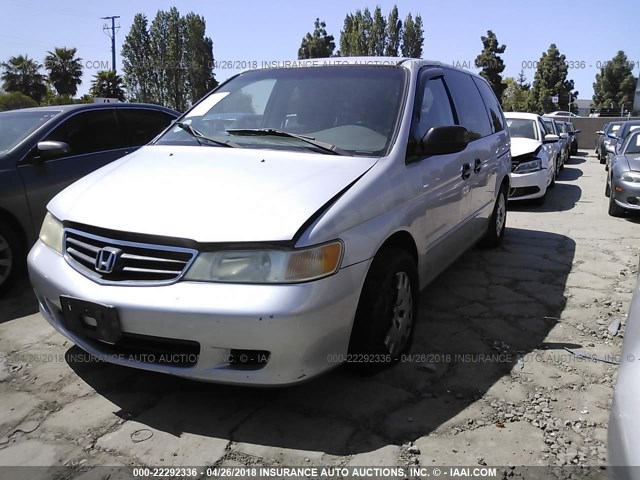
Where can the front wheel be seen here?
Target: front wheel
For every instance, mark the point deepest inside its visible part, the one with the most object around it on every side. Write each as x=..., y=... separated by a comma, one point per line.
x=387, y=311
x=497, y=222
x=11, y=257
x=615, y=210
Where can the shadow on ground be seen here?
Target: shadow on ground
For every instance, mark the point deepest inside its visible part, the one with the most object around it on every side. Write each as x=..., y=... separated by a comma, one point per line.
x=476, y=319
x=18, y=301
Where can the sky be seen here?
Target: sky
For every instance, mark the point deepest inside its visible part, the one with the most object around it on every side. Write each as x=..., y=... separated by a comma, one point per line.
x=588, y=32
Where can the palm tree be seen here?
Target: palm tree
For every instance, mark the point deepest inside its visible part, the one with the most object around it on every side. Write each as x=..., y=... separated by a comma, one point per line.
x=22, y=74
x=65, y=70
x=107, y=83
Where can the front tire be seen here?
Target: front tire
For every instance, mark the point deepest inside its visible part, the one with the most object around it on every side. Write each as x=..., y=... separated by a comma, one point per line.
x=498, y=221
x=615, y=210
x=11, y=257
x=387, y=310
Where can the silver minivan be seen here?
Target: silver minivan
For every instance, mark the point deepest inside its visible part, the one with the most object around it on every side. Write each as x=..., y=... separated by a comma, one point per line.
x=281, y=227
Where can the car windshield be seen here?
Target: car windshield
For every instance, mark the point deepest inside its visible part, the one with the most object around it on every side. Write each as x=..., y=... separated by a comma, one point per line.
x=633, y=144
x=16, y=125
x=628, y=128
x=523, y=128
x=352, y=108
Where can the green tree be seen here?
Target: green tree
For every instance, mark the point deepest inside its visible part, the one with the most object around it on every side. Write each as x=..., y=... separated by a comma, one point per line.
x=364, y=34
x=108, y=84
x=551, y=80
x=137, y=60
x=65, y=70
x=15, y=100
x=318, y=44
x=515, y=97
x=615, y=84
x=394, y=33
x=170, y=61
x=490, y=63
x=412, y=37
x=22, y=74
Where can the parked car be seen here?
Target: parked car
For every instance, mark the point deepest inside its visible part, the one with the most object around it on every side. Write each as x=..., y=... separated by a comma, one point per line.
x=605, y=138
x=568, y=128
x=533, y=157
x=42, y=150
x=267, y=250
x=614, y=146
x=553, y=127
x=562, y=114
x=623, y=443
x=623, y=180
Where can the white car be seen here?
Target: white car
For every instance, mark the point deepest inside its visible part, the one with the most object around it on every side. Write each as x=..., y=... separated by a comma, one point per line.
x=561, y=113
x=533, y=157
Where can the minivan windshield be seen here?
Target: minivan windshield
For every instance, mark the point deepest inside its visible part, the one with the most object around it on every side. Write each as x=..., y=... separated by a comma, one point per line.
x=347, y=109
x=16, y=125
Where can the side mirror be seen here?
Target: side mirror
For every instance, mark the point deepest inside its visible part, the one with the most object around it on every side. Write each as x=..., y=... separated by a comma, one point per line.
x=51, y=148
x=564, y=135
x=444, y=140
x=551, y=138
x=599, y=132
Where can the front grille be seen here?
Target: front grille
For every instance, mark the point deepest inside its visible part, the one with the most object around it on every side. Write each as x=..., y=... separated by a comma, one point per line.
x=135, y=263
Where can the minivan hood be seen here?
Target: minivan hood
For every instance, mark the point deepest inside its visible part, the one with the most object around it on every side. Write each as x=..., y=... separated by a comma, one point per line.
x=521, y=146
x=209, y=194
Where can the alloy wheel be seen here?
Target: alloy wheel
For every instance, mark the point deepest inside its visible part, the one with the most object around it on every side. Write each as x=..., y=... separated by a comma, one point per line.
x=399, y=332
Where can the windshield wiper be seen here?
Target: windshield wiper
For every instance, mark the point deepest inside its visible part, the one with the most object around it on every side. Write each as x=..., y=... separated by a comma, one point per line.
x=325, y=147
x=199, y=136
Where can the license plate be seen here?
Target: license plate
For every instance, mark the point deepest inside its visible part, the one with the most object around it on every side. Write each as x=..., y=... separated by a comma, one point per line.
x=92, y=320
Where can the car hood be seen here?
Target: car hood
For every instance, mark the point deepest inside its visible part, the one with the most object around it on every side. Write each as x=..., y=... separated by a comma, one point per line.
x=522, y=146
x=209, y=194
x=634, y=161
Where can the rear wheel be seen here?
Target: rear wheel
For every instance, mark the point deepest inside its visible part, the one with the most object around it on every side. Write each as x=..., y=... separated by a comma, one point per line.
x=497, y=222
x=11, y=257
x=386, y=313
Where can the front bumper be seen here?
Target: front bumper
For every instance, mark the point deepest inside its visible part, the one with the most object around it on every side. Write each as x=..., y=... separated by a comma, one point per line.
x=525, y=186
x=304, y=327
x=628, y=196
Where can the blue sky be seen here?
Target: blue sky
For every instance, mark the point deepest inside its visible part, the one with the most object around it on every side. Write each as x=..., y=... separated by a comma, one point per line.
x=588, y=32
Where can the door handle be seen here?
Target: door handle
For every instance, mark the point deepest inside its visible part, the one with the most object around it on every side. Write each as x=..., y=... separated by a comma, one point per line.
x=466, y=171
x=478, y=166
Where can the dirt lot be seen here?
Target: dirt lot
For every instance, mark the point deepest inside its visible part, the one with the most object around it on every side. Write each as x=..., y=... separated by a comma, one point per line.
x=490, y=379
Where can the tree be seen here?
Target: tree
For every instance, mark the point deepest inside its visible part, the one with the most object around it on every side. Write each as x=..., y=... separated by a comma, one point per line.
x=169, y=62
x=412, y=37
x=318, y=44
x=551, y=80
x=490, y=62
x=65, y=70
x=364, y=34
x=615, y=84
x=515, y=97
x=136, y=60
x=22, y=74
x=108, y=84
x=15, y=100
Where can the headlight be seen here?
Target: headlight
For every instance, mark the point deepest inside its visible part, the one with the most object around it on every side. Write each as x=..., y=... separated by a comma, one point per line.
x=631, y=177
x=529, y=167
x=51, y=233
x=267, y=266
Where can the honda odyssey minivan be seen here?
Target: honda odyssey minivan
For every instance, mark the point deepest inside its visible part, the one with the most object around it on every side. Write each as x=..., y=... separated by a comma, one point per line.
x=282, y=226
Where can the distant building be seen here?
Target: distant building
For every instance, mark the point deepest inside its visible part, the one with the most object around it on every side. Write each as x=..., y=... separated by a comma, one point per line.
x=636, y=100
x=584, y=106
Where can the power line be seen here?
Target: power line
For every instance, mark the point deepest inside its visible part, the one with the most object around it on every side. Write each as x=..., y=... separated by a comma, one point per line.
x=114, y=29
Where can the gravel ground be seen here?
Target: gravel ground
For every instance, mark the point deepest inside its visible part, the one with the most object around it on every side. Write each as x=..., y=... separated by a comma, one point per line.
x=510, y=366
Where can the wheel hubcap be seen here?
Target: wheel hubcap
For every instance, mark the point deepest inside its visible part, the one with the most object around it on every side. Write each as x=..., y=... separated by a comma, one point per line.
x=402, y=315
x=501, y=214
x=6, y=259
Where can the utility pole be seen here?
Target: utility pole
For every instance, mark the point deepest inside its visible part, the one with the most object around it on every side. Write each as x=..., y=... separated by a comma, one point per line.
x=106, y=28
